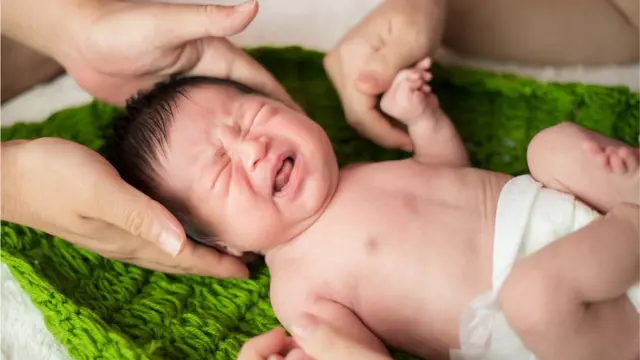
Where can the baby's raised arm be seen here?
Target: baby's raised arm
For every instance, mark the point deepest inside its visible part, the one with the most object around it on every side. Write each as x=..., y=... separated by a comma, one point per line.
x=409, y=100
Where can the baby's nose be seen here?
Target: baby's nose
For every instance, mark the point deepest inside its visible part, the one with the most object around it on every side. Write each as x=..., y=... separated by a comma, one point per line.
x=252, y=151
x=247, y=150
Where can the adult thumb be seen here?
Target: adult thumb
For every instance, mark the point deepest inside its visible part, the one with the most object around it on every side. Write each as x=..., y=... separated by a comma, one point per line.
x=177, y=23
x=134, y=212
x=383, y=65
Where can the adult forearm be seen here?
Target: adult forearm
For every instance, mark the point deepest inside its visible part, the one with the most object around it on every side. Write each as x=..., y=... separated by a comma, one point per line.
x=434, y=16
x=46, y=26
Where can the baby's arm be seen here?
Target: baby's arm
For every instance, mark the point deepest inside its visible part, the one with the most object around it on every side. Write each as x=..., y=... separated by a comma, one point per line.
x=290, y=309
x=345, y=323
x=434, y=137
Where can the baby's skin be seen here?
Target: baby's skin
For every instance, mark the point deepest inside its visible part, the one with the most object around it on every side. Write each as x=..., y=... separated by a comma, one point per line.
x=392, y=253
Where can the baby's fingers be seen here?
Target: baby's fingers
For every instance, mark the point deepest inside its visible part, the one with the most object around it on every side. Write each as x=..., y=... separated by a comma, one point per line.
x=424, y=64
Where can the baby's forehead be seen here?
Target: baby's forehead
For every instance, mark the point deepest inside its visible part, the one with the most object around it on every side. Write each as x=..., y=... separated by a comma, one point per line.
x=207, y=98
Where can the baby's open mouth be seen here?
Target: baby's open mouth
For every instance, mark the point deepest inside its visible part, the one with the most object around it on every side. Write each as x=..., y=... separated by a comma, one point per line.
x=283, y=174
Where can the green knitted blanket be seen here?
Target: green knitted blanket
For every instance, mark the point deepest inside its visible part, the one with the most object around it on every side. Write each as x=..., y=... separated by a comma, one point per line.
x=103, y=309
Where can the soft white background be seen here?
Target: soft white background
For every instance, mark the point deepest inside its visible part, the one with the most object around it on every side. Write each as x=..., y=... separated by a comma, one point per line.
x=311, y=23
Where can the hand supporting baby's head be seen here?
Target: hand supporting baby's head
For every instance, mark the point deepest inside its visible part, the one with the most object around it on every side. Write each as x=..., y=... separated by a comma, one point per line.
x=241, y=171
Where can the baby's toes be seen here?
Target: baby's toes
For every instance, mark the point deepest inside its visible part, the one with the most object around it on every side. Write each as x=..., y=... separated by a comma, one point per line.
x=630, y=157
x=611, y=150
x=617, y=163
x=602, y=159
x=593, y=148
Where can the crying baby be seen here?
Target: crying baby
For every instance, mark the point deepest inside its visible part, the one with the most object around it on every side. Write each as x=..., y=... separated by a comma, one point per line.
x=427, y=254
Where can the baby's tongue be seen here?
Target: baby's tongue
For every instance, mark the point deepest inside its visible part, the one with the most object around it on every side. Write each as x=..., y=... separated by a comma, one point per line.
x=282, y=178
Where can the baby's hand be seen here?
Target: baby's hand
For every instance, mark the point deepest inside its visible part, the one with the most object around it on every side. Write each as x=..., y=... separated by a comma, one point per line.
x=409, y=98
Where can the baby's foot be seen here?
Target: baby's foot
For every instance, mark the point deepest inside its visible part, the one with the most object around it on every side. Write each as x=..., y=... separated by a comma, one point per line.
x=409, y=98
x=618, y=159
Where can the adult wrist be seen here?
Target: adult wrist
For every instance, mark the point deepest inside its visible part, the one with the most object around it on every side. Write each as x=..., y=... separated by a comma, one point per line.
x=50, y=27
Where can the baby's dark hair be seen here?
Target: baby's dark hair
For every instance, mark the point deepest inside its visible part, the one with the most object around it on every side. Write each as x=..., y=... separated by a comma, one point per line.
x=141, y=132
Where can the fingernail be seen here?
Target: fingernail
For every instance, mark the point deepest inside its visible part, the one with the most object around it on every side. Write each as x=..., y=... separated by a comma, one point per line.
x=247, y=5
x=170, y=242
x=304, y=327
x=272, y=357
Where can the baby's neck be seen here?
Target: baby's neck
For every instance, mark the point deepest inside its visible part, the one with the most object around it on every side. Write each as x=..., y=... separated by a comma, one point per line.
x=290, y=247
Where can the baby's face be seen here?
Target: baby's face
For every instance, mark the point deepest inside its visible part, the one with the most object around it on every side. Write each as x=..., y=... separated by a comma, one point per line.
x=250, y=167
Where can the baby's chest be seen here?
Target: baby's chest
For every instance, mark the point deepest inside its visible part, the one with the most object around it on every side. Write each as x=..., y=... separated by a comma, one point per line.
x=403, y=242
x=390, y=217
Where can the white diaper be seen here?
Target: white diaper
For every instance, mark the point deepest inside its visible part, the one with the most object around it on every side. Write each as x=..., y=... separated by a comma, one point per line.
x=528, y=218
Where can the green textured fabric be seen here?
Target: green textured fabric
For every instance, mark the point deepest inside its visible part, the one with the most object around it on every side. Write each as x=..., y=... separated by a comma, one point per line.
x=103, y=309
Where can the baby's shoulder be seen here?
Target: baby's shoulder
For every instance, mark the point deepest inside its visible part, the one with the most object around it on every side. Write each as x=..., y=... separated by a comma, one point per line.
x=291, y=294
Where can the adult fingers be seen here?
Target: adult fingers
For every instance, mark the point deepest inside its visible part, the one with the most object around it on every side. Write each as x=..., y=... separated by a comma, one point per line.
x=202, y=260
x=361, y=109
x=118, y=203
x=363, y=114
x=195, y=259
x=382, y=66
x=246, y=69
x=321, y=342
x=263, y=346
x=297, y=354
x=222, y=58
x=174, y=24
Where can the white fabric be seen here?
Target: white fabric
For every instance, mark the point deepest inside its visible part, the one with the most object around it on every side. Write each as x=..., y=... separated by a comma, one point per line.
x=24, y=335
x=528, y=218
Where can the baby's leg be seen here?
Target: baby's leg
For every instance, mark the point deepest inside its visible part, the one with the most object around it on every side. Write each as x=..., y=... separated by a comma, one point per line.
x=599, y=170
x=568, y=300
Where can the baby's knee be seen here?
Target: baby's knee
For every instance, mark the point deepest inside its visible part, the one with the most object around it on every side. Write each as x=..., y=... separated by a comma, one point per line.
x=545, y=146
x=626, y=216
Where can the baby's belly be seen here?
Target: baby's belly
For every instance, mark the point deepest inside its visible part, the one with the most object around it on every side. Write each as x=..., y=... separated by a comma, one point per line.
x=414, y=303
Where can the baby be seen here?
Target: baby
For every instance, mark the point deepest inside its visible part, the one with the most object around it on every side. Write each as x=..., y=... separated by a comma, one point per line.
x=427, y=255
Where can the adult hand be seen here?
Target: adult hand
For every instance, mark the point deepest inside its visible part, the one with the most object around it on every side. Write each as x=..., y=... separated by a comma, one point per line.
x=113, y=49
x=70, y=191
x=125, y=46
x=314, y=340
x=396, y=35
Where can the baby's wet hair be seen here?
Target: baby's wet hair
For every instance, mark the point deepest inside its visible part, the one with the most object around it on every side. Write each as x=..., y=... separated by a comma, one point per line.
x=141, y=132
